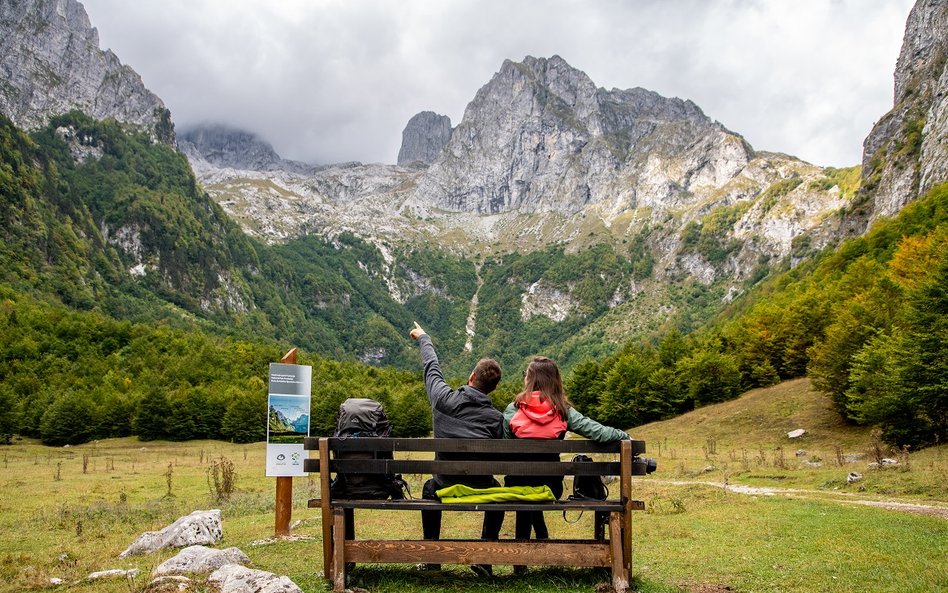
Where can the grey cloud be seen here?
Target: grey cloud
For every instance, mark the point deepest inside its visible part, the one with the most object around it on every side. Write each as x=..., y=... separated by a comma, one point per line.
x=336, y=81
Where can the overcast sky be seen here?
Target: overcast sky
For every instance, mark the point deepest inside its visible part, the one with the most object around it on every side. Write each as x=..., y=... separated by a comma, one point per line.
x=330, y=81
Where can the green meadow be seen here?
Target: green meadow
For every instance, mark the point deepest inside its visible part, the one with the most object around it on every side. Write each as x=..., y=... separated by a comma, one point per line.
x=733, y=507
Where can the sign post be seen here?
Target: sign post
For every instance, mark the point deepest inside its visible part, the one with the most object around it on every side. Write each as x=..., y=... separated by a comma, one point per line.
x=288, y=410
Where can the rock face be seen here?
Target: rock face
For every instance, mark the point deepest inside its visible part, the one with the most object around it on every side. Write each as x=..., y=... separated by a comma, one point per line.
x=544, y=156
x=907, y=150
x=224, y=146
x=234, y=578
x=200, y=527
x=423, y=138
x=50, y=63
x=540, y=136
x=198, y=560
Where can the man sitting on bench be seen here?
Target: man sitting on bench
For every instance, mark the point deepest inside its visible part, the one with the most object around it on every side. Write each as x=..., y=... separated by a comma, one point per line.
x=465, y=413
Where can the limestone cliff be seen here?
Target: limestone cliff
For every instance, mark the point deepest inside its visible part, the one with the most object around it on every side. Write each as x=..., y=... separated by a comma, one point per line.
x=51, y=63
x=907, y=150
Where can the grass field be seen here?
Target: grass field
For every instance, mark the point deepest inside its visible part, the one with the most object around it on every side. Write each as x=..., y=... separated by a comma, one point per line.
x=779, y=526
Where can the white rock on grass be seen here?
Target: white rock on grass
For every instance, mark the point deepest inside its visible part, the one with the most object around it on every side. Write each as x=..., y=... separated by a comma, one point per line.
x=198, y=560
x=200, y=527
x=168, y=584
x=112, y=574
x=234, y=578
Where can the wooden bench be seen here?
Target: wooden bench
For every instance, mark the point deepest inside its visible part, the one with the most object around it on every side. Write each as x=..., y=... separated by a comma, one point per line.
x=498, y=458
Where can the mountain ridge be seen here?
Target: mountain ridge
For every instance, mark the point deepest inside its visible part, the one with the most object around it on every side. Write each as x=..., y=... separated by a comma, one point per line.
x=557, y=161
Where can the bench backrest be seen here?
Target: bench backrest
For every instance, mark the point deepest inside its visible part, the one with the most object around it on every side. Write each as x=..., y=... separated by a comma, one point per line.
x=488, y=456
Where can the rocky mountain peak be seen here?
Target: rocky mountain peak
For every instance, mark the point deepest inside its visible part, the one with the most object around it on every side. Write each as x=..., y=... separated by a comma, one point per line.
x=224, y=146
x=541, y=137
x=51, y=63
x=423, y=138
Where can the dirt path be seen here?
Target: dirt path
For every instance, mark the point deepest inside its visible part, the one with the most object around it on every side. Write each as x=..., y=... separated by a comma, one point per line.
x=841, y=497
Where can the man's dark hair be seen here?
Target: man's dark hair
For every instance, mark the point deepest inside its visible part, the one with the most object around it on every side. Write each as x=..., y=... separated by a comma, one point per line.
x=486, y=375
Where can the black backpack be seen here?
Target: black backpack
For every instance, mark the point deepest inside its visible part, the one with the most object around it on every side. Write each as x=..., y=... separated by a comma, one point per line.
x=365, y=418
x=587, y=487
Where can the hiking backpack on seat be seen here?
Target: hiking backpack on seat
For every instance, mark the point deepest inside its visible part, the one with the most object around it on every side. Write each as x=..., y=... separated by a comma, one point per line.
x=364, y=418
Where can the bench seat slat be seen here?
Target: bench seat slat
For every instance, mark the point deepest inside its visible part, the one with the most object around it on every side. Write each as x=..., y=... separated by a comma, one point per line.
x=433, y=505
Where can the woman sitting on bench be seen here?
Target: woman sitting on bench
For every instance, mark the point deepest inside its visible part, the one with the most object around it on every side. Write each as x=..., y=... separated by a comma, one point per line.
x=542, y=411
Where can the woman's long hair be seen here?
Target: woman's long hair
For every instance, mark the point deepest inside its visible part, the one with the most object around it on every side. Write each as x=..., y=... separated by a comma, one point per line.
x=543, y=375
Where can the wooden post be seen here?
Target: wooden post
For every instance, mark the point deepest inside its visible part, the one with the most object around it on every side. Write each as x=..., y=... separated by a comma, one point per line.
x=284, y=485
x=625, y=494
x=324, y=495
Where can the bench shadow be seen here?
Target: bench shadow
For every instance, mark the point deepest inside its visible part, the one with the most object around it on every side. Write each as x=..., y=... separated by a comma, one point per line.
x=402, y=578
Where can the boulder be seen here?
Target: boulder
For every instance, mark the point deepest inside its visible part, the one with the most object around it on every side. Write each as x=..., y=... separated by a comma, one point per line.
x=853, y=477
x=233, y=578
x=200, y=527
x=198, y=560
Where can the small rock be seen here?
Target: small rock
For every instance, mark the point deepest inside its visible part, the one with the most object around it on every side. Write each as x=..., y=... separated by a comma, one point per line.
x=56, y=581
x=707, y=469
x=168, y=584
x=889, y=461
x=198, y=560
x=200, y=527
x=112, y=574
x=801, y=453
x=233, y=578
x=853, y=477
x=795, y=434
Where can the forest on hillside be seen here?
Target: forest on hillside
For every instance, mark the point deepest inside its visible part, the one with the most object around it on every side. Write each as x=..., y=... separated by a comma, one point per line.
x=868, y=322
x=90, y=350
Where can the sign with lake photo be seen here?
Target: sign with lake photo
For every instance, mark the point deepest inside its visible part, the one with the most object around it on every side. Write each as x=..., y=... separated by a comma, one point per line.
x=288, y=410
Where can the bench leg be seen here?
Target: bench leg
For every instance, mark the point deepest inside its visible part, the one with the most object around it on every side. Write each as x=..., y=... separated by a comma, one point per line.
x=600, y=521
x=338, y=550
x=620, y=575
